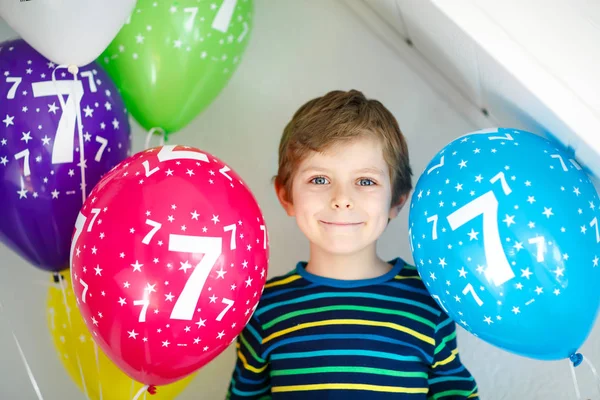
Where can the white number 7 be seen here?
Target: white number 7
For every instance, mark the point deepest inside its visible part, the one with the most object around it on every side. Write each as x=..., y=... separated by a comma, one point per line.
x=228, y=228
x=562, y=163
x=103, y=142
x=224, y=172
x=79, y=224
x=85, y=289
x=223, y=17
x=90, y=76
x=434, y=219
x=193, y=11
x=145, y=303
x=155, y=227
x=212, y=248
x=96, y=212
x=498, y=268
x=25, y=155
x=540, y=243
x=264, y=229
x=62, y=151
x=469, y=289
x=229, y=305
x=167, y=153
x=16, y=81
x=594, y=222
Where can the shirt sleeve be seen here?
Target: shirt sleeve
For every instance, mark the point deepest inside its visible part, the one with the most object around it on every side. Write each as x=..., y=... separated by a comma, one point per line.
x=250, y=380
x=448, y=377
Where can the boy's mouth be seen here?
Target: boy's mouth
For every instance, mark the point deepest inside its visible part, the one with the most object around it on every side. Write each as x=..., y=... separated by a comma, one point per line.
x=334, y=223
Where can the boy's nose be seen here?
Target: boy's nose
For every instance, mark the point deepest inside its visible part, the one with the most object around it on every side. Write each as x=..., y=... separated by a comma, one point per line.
x=342, y=201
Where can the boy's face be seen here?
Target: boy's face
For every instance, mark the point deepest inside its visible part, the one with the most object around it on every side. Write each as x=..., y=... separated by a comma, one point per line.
x=342, y=197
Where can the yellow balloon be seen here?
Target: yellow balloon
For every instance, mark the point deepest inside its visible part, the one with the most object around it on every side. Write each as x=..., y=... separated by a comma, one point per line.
x=85, y=362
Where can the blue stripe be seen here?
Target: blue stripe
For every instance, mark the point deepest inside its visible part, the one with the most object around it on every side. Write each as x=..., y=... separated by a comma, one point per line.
x=449, y=378
x=349, y=352
x=264, y=309
x=253, y=393
x=451, y=371
x=343, y=336
x=254, y=333
x=283, y=291
x=408, y=288
x=241, y=378
x=444, y=324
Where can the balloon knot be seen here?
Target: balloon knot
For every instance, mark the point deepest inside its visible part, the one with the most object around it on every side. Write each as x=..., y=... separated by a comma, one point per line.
x=152, y=389
x=73, y=69
x=576, y=359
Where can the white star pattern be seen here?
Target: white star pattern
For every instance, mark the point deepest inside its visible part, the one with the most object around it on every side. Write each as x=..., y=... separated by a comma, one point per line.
x=32, y=141
x=503, y=205
x=161, y=281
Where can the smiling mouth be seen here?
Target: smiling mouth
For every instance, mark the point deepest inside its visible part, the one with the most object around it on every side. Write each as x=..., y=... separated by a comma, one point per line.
x=341, y=223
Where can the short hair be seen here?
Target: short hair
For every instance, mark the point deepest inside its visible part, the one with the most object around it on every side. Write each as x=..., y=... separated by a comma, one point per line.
x=341, y=116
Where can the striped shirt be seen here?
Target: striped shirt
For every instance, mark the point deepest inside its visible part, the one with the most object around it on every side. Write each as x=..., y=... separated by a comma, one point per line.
x=319, y=338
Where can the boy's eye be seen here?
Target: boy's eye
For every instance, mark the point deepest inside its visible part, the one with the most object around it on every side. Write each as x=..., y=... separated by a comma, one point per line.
x=319, y=180
x=366, y=182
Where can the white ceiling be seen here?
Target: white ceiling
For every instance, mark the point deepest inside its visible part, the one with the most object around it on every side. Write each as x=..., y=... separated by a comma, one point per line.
x=526, y=64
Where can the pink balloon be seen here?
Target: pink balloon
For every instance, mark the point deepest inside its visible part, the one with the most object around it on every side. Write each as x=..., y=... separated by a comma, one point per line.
x=169, y=259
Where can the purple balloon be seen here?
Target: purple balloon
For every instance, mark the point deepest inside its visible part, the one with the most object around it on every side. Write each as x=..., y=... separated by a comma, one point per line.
x=47, y=164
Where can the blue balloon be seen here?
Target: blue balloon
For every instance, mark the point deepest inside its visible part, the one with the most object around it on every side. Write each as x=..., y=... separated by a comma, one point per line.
x=504, y=231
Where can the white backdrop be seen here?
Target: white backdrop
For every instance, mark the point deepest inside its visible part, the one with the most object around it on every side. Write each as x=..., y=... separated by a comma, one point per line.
x=286, y=64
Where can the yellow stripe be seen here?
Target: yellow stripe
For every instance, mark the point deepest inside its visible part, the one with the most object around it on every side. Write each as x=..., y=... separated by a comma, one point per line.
x=348, y=386
x=450, y=358
x=397, y=327
x=473, y=396
x=289, y=279
x=248, y=366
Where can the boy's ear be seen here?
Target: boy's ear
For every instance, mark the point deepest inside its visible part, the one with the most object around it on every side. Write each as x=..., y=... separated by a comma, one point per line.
x=281, y=193
x=397, y=206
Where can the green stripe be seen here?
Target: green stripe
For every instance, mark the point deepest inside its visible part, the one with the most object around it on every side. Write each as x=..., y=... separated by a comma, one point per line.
x=326, y=295
x=344, y=369
x=444, y=341
x=251, y=350
x=350, y=308
x=461, y=393
x=408, y=266
x=344, y=352
x=450, y=378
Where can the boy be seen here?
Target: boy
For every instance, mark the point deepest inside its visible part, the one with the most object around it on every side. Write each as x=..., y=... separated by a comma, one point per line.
x=346, y=324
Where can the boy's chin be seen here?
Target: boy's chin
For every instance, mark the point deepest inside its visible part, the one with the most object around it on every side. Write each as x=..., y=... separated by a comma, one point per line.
x=342, y=249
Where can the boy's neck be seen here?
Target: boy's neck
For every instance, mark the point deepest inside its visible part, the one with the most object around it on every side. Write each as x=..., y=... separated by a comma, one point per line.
x=362, y=265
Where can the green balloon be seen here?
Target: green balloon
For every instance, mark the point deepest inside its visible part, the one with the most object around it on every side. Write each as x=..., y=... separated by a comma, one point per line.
x=172, y=58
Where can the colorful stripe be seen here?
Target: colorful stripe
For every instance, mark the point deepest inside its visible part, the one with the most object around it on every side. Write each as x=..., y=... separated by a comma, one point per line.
x=312, y=338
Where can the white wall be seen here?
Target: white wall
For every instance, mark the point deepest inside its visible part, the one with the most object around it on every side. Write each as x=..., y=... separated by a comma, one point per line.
x=286, y=64
x=528, y=64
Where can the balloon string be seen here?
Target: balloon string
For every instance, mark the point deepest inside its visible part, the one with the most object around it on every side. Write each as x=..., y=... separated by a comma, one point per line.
x=36, y=388
x=98, y=368
x=151, y=132
x=131, y=389
x=68, y=311
x=142, y=390
x=73, y=69
x=575, y=381
x=594, y=372
x=576, y=360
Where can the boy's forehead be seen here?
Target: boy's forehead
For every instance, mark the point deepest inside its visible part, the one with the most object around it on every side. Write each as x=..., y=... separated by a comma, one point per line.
x=356, y=154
